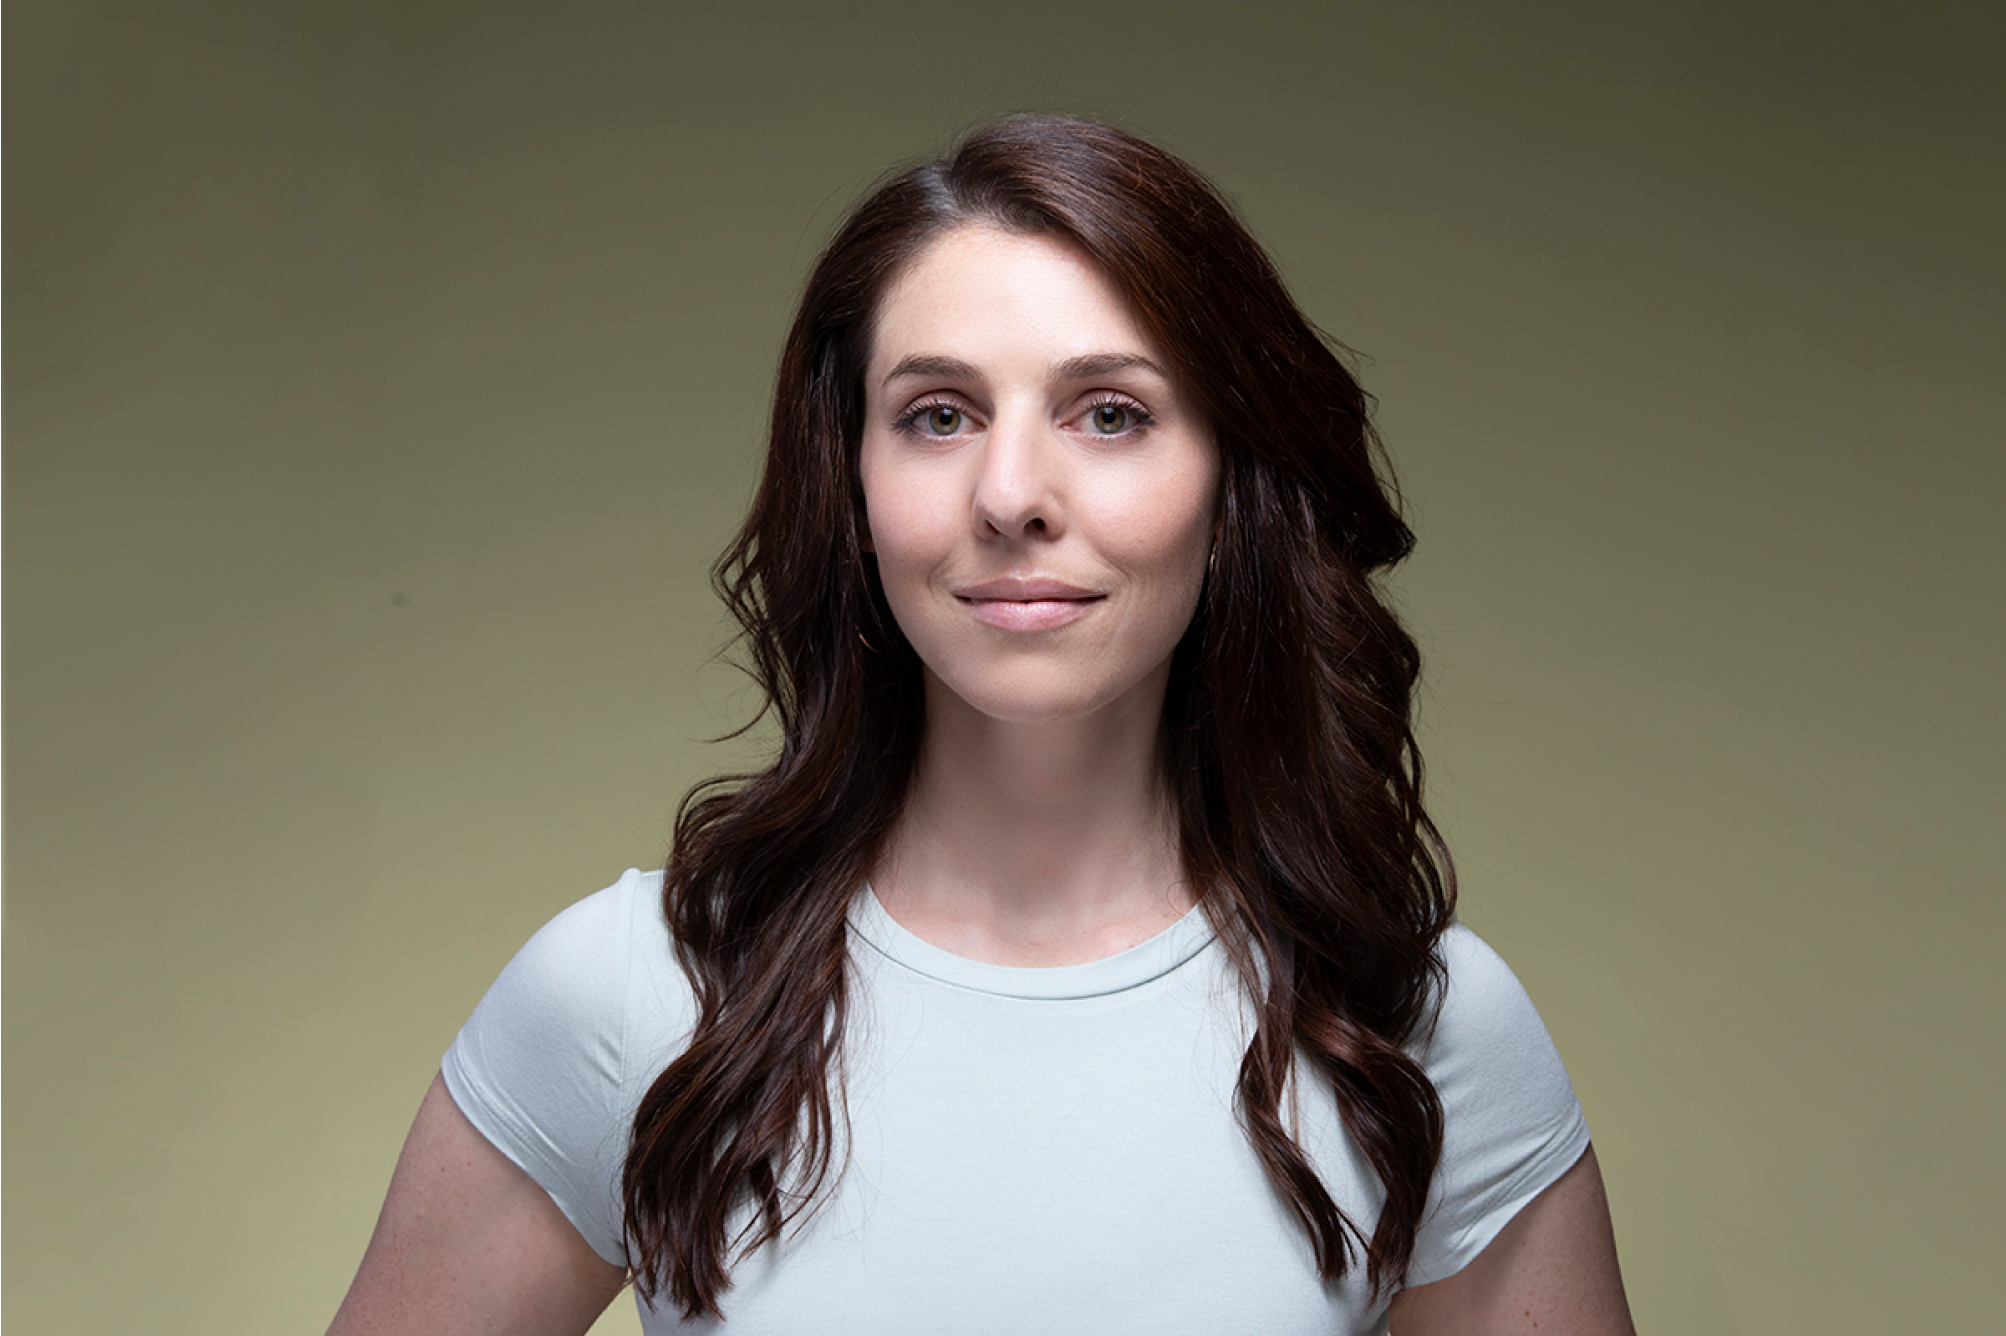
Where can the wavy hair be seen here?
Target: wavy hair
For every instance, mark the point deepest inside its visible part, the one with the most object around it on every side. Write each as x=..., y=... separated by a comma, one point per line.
x=1288, y=726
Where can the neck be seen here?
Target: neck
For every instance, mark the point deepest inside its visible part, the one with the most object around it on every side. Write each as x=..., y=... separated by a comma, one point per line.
x=1038, y=843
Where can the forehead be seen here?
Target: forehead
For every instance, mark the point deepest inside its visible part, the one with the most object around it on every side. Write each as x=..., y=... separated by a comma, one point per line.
x=982, y=294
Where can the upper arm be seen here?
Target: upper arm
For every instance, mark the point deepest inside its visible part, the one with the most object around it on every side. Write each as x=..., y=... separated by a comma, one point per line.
x=468, y=1242
x=1551, y=1270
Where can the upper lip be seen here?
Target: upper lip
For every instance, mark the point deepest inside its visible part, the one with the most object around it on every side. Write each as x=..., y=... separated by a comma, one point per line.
x=1024, y=589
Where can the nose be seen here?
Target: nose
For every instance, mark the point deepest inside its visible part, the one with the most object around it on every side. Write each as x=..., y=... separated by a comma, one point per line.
x=1017, y=485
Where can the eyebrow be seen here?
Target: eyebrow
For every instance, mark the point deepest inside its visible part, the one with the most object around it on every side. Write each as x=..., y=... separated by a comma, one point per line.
x=1073, y=368
x=946, y=368
x=1101, y=364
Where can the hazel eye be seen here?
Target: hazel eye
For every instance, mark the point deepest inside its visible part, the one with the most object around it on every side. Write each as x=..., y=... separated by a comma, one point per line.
x=941, y=420
x=1111, y=419
x=1116, y=416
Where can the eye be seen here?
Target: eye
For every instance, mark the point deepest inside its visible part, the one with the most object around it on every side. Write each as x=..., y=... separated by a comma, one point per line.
x=1109, y=419
x=1112, y=416
x=933, y=417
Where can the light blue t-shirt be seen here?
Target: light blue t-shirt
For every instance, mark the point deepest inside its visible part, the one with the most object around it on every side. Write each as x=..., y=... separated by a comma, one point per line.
x=1029, y=1150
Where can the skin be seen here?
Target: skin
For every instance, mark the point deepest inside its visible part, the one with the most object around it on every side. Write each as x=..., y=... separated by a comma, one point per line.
x=1018, y=428
x=469, y=1243
x=1551, y=1270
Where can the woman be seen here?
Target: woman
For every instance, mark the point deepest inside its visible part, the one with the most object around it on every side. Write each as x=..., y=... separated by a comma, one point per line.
x=1084, y=961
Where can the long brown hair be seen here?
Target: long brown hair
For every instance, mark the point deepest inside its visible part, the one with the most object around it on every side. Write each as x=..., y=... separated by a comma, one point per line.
x=1288, y=725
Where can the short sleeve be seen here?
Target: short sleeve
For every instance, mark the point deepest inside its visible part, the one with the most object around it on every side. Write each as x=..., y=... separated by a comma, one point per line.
x=546, y=1066
x=1512, y=1124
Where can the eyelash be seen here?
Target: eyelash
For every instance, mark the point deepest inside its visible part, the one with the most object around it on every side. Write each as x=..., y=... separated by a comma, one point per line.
x=1140, y=418
x=912, y=415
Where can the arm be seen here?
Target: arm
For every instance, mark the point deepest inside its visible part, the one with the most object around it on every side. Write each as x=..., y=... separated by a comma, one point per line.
x=467, y=1242
x=1552, y=1270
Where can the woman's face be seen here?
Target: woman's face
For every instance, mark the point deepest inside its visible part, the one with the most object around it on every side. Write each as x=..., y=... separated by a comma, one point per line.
x=1040, y=495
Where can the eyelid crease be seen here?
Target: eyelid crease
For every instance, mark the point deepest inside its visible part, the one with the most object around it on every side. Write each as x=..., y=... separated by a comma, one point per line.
x=1102, y=398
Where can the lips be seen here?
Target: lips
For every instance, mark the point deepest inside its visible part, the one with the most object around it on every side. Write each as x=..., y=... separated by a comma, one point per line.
x=1016, y=603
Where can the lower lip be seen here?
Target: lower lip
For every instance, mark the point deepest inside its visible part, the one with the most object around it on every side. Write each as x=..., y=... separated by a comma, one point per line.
x=1043, y=614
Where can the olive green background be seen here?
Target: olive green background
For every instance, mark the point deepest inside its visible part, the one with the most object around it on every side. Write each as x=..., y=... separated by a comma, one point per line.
x=381, y=379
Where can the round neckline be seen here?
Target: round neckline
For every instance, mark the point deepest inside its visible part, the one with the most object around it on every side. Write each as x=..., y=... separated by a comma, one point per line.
x=1123, y=970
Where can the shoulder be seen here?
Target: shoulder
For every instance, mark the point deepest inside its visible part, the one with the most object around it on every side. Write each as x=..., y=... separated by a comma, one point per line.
x=1511, y=1122
x=592, y=968
x=1486, y=1024
x=553, y=1062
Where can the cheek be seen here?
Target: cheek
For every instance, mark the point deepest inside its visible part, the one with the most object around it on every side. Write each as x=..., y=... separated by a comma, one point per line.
x=1164, y=529
x=881, y=505
x=903, y=529
x=907, y=530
